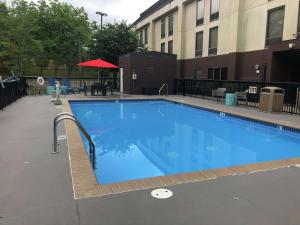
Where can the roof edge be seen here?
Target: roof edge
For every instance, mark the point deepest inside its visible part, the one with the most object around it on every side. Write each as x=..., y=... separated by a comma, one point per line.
x=152, y=9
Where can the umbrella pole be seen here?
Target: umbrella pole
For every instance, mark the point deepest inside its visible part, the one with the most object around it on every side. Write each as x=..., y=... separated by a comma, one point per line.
x=98, y=74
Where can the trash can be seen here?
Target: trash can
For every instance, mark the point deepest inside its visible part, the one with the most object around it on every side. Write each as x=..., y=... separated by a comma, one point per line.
x=271, y=99
x=230, y=99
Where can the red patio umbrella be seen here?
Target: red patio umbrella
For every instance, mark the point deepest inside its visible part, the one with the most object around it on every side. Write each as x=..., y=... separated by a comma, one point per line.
x=98, y=63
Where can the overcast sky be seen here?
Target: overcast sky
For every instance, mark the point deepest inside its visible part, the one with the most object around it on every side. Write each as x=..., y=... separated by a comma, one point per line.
x=116, y=9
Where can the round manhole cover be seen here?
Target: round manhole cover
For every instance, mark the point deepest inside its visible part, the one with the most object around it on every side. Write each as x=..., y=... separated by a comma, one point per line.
x=161, y=193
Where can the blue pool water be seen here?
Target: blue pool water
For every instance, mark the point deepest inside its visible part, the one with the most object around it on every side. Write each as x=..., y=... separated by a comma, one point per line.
x=142, y=139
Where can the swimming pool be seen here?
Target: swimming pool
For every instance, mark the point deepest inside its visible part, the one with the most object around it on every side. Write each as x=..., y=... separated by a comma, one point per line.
x=143, y=139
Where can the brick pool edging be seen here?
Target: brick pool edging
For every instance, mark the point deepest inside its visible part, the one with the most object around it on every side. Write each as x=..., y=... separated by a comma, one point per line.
x=85, y=184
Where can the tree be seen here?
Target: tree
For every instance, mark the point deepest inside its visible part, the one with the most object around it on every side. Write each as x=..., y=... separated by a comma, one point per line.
x=113, y=41
x=69, y=28
x=25, y=47
x=33, y=34
x=4, y=34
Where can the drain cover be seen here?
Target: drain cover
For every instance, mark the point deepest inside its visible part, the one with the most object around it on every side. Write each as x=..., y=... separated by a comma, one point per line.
x=161, y=193
x=27, y=163
x=61, y=137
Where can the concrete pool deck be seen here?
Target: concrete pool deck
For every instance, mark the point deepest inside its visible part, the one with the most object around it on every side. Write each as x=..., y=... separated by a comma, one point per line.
x=36, y=187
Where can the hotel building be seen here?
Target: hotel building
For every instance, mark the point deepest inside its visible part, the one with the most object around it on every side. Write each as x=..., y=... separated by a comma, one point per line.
x=254, y=40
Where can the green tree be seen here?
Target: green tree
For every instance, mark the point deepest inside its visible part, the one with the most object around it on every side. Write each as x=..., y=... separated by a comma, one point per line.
x=4, y=34
x=67, y=31
x=25, y=47
x=115, y=40
x=34, y=34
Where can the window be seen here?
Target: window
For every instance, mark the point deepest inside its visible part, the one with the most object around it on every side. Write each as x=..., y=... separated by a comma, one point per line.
x=214, y=9
x=162, y=28
x=199, y=43
x=275, y=25
x=171, y=24
x=217, y=73
x=146, y=35
x=163, y=47
x=199, y=74
x=141, y=36
x=170, y=47
x=213, y=41
x=224, y=73
x=200, y=12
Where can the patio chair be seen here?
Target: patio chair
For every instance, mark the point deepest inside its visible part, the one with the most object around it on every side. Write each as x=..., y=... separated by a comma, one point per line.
x=219, y=92
x=67, y=85
x=82, y=88
x=51, y=81
x=51, y=85
x=242, y=96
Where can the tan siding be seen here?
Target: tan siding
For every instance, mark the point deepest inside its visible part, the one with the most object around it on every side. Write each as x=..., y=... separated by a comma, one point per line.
x=242, y=25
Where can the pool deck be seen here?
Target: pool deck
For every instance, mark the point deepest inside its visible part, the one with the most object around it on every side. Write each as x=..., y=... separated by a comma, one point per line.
x=36, y=187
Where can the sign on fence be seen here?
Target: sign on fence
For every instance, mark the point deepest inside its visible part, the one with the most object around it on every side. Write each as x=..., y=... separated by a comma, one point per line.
x=252, y=90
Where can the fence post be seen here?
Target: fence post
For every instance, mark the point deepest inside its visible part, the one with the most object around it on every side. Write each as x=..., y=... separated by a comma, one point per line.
x=183, y=88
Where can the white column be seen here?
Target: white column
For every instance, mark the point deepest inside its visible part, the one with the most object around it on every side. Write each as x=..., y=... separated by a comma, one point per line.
x=121, y=81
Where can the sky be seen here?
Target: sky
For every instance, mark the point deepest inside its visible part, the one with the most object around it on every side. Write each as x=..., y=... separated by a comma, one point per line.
x=128, y=10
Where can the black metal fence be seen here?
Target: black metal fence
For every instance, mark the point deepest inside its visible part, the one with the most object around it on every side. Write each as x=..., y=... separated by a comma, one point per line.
x=75, y=82
x=203, y=88
x=11, y=91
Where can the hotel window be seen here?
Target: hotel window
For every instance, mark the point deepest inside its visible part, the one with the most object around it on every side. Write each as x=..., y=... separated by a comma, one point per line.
x=199, y=43
x=146, y=35
x=275, y=25
x=214, y=9
x=170, y=47
x=162, y=28
x=141, y=36
x=199, y=74
x=213, y=41
x=170, y=24
x=217, y=73
x=200, y=12
x=163, y=47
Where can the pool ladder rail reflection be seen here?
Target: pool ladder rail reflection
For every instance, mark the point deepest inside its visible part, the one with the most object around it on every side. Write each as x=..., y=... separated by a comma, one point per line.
x=162, y=87
x=68, y=116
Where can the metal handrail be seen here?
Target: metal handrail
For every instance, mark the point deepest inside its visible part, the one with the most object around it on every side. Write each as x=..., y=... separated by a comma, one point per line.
x=297, y=99
x=162, y=87
x=69, y=116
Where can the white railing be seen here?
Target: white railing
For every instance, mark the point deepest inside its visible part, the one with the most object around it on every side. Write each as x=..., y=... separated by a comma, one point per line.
x=162, y=87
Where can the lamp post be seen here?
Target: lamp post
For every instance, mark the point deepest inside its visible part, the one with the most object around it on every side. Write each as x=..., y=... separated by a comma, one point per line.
x=101, y=14
x=79, y=55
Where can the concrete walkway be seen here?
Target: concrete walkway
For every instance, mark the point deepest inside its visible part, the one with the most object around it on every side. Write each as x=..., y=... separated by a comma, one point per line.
x=36, y=187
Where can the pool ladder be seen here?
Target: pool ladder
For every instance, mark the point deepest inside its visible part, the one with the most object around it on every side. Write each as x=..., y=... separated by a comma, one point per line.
x=162, y=87
x=68, y=116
